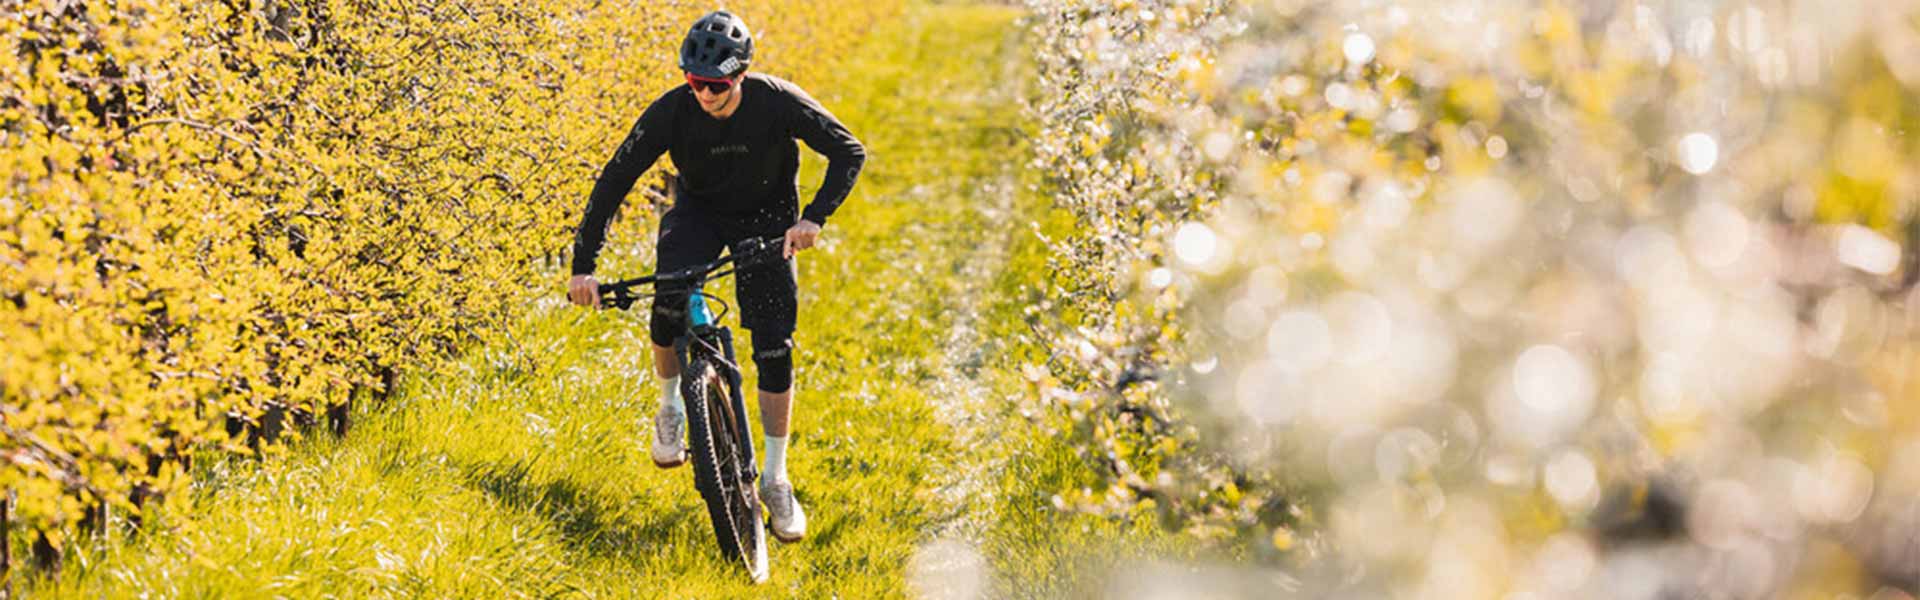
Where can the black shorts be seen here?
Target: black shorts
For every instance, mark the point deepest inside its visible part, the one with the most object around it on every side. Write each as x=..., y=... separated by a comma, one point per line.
x=766, y=296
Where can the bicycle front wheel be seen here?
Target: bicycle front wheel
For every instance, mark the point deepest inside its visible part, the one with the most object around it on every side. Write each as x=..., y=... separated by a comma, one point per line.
x=721, y=467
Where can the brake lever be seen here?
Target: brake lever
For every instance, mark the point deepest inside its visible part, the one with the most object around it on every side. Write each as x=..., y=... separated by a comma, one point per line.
x=620, y=299
x=755, y=252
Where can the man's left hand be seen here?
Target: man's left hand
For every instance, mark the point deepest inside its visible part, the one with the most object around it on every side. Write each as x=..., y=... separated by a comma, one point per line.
x=800, y=237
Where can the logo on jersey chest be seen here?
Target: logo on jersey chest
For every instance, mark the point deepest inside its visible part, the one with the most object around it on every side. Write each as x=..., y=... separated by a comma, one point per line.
x=728, y=149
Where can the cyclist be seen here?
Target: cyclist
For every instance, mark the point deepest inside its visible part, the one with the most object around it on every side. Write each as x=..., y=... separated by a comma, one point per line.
x=731, y=135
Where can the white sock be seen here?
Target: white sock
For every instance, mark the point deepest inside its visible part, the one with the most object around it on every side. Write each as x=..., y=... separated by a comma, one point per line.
x=774, y=468
x=670, y=391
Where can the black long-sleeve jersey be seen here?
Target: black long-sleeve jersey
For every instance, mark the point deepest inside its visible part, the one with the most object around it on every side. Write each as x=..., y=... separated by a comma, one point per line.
x=741, y=169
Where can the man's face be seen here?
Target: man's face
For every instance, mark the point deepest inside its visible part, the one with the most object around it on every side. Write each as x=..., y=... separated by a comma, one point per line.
x=711, y=100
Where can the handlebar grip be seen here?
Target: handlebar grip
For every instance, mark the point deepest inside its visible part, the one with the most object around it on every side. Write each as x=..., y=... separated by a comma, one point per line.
x=755, y=252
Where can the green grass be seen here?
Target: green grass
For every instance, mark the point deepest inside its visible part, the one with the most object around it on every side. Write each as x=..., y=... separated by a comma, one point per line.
x=520, y=468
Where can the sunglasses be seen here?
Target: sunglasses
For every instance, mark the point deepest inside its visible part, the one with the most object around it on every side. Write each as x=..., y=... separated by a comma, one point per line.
x=712, y=86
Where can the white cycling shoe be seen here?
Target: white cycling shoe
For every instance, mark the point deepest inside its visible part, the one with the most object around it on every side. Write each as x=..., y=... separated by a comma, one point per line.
x=669, y=437
x=789, y=522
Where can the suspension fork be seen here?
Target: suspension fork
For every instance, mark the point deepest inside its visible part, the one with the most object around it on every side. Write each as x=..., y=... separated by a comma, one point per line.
x=717, y=340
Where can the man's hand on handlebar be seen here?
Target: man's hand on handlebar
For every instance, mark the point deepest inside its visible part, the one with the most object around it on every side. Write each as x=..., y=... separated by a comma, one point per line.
x=800, y=237
x=584, y=290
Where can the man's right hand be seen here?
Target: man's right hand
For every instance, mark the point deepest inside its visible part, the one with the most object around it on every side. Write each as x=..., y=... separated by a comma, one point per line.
x=584, y=290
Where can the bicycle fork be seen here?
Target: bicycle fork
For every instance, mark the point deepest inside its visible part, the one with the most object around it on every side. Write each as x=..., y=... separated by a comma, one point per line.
x=716, y=336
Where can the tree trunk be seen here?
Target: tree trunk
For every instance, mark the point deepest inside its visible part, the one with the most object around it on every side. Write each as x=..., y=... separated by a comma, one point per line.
x=340, y=414
x=6, y=545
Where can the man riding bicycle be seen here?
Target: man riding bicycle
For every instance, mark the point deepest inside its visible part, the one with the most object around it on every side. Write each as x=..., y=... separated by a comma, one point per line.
x=730, y=134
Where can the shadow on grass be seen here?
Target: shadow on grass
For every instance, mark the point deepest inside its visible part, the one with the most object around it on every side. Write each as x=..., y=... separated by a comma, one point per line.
x=828, y=535
x=586, y=518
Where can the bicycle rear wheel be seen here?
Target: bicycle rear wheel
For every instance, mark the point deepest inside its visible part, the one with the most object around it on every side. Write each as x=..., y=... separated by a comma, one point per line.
x=721, y=467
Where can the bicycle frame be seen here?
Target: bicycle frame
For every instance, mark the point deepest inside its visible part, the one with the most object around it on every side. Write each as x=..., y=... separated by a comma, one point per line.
x=706, y=342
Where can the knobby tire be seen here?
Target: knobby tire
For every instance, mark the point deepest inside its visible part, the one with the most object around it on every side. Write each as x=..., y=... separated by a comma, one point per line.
x=732, y=503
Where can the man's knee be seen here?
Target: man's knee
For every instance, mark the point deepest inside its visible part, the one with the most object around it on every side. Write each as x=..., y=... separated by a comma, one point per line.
x=669, y=317
x=773, y=353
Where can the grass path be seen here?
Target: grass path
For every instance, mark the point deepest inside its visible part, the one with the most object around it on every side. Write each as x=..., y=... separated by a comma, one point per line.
x=521, y=468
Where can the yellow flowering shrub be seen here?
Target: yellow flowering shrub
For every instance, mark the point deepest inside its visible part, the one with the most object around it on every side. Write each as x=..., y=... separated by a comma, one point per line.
x=249, y=209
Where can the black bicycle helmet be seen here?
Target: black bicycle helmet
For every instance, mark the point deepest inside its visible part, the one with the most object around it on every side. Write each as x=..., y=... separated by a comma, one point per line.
x=719, y=45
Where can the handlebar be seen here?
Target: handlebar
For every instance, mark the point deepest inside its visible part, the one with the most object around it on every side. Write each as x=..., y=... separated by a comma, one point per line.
x=747, y=254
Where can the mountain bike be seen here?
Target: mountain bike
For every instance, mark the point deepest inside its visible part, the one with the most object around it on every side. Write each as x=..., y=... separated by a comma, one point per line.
x=717, y=432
